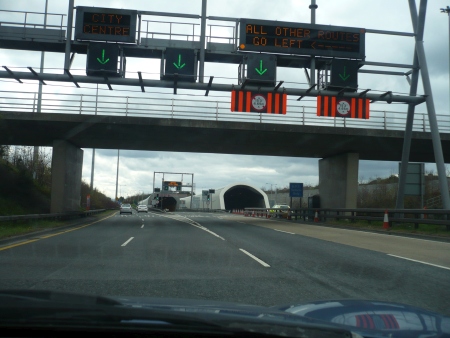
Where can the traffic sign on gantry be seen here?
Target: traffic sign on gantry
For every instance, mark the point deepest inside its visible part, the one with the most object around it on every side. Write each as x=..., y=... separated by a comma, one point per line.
x=344, y=74
x=182, y=62
x=105, y=24
x=102, y=59
x=301, y=39
x=261, y=68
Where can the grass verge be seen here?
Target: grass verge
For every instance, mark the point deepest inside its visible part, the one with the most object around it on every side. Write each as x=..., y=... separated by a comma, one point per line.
x=423, y=229
x=9, y=229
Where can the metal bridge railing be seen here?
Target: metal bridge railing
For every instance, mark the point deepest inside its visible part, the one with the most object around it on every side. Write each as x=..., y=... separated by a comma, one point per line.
x=222, y=34
x=170, y=30
x=155, y=106
x=30, y=19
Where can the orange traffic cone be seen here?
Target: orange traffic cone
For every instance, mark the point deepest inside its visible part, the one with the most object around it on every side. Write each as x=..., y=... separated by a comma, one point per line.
x=386, y=220
x=316, y=217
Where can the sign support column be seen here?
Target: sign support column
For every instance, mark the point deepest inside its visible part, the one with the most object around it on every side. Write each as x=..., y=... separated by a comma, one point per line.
x=69, y=35
x=436, y=139
x=409, y=121
x=201, y=73
x=313, y=8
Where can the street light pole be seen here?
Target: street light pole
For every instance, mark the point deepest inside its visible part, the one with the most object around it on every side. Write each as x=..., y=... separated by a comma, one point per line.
x=271, y=191
x=276, y=191
x=447, y=10
x=39, y=102
x=117, y=174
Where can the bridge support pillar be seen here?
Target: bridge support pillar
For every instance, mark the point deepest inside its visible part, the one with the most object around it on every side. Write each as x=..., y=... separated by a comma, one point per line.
x=338, y=181
x=67, y=164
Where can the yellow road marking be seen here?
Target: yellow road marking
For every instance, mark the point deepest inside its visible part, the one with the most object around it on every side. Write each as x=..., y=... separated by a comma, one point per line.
x=48, y=236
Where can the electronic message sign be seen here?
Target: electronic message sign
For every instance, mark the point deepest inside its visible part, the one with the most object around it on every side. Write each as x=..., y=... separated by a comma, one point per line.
x=261, y=68
x=182, y=62
x=344, y=74
x=102, y=59
x=105, y=24
x=301, y=39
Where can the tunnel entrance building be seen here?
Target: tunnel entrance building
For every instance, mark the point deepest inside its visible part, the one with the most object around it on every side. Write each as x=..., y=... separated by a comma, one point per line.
x=169, y=203
x=243, y=196
x=230, y=197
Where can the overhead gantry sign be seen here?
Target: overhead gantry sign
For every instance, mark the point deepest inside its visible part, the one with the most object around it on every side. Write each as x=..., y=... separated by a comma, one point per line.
x=105, y=24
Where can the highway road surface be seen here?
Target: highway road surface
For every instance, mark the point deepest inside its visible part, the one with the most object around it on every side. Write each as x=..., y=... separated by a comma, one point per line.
x=228, y=257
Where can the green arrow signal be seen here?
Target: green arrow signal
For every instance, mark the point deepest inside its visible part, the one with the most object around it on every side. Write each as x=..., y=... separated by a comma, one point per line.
x=343, y=76
x=261, y=71
x=103, y=61
x=179, y=65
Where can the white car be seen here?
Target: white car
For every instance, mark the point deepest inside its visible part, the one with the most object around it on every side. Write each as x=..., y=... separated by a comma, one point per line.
x=142, y=207
x=125, y=208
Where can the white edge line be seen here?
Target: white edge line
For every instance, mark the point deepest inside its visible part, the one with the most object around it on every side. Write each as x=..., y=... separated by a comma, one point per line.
x=131, y=238
x=256, y=258
x=413, y=260
x=286, y=232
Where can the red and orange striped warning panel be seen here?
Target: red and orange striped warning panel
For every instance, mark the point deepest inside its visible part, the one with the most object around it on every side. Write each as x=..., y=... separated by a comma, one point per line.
x=246, y=101
x=333, y=106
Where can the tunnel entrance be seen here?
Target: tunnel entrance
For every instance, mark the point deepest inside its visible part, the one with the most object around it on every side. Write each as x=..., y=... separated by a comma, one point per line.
x=242, y=196
x=168, y=203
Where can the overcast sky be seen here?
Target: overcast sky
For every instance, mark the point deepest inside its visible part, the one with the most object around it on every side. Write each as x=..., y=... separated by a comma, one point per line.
x=216, y=170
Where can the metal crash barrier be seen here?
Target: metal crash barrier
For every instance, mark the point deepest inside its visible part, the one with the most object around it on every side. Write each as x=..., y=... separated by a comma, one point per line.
x=388, y=216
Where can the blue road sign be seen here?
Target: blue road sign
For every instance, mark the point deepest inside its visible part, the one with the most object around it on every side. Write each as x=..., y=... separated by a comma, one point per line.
x=295, y=189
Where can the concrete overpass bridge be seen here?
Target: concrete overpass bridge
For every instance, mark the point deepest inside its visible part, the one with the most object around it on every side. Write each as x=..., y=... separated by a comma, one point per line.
x=339, y=149
x=339, y=144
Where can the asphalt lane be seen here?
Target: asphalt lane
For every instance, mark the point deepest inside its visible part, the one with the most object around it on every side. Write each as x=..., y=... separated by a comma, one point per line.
x=209, y=256
x=162, y=257
x=306, y=268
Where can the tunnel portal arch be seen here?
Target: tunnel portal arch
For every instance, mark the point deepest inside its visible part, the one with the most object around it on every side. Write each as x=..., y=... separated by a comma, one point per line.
x=243, y=196
x=169, y=203
x=233, y=196
x=240, y=196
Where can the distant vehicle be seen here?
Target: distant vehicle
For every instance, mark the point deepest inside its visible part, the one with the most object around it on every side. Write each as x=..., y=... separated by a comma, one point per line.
x=284, y=210
x=142, y=207
x=126, y=208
